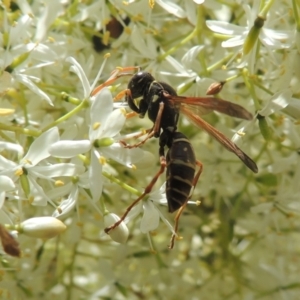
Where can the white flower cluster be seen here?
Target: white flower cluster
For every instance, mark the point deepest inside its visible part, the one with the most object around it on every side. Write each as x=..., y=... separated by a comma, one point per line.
x=65, y=174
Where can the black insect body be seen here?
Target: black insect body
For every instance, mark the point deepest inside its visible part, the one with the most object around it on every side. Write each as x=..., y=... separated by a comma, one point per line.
x=146, y=95
x=181, y=169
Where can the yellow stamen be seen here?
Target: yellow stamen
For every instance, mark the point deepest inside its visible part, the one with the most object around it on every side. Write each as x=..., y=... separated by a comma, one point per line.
x=27, y=161
x=107, y=55
x=123, y=111
x=59, y=183
x=178, y=238
x=102, y=160
x=241, y=133
x=6, y=111
x=127, y=30
x=19, y=172
x=30, y=199
x=51, y=39
x=105, y=38
x=151, y=3
x=96, y=125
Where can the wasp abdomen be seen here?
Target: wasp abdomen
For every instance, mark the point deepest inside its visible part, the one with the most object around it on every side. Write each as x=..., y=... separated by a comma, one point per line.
x=181, y=166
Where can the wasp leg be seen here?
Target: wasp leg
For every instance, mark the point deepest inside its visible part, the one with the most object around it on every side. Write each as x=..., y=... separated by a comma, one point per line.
x=148, y=189
x=133, y=136
x=152, y=132
x=131, y=114
x=116, y=74
x=122, y=94
x=177, y=217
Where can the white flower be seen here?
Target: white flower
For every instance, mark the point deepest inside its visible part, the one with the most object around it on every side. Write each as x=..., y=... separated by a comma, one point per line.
x=274, y=39
x=277, y=102
x=27, y=170
x=15, y=61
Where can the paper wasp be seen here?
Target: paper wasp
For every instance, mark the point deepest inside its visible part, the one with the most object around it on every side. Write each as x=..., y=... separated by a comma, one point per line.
x=163, y=105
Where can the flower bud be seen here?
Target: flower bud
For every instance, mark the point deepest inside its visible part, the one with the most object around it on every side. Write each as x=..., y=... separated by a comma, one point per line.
x=17, y=61
x=118, y=234
x=253, y=34
x=104, y=142
x=265, y=130
x=215, y=88
x=42, y=227
x=25, y=183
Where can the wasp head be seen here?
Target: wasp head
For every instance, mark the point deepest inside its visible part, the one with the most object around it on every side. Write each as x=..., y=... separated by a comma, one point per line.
x=140, y=83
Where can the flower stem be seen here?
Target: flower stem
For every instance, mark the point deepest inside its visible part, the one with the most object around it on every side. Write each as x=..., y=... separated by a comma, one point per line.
x=266, y=8
x=18, y=129
x=122, y=184
x=73, y=112
x=296, y=15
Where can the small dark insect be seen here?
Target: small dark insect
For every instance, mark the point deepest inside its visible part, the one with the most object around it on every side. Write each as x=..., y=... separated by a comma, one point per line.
x=115, y=29
x=163, y=106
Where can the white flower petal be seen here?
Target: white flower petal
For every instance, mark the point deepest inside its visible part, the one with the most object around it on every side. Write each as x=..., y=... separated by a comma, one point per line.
x=114, y=123
x=67, y=149
x=122, y=155
x=38, y=194
x=95, y=176
x=6, y=184
x=234, y=42
x=100, y=111
x=140, y=43
x=26, y=81
x=39, y=148
x=6, y=165
x=150, y=219
x=61, y=191
x=191, y=55
x=172, y=8
x=77, y=69
x=279, y=101
x=67, y=205
x=20, y=30
x=225, y=28
x=63, y=169
x=49, y=14
x=42, y=52
x=293, y=108
x=11, y=147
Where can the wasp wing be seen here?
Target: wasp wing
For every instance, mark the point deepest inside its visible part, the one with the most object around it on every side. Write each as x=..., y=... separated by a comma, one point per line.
x=221, y=138
x=203, y=105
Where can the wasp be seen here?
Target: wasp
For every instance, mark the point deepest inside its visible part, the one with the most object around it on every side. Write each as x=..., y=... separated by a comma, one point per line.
x=146, y=95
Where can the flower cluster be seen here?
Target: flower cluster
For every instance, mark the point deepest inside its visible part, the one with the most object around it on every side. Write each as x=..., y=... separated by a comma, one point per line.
x=66, y=174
